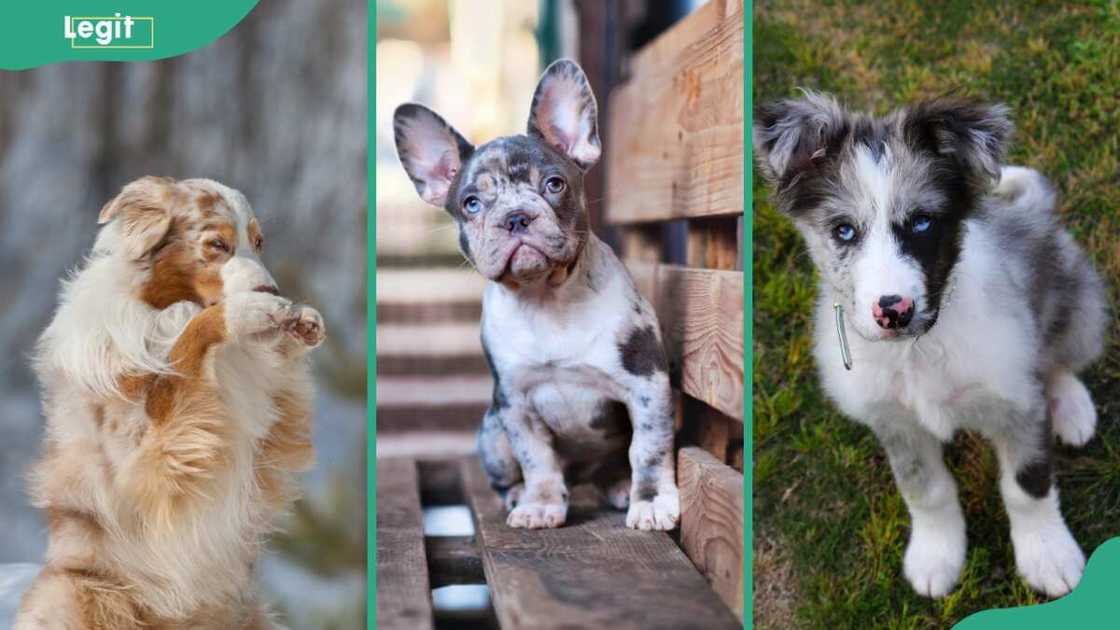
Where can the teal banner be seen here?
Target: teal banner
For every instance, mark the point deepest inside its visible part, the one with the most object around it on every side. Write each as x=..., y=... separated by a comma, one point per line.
x=122, y=30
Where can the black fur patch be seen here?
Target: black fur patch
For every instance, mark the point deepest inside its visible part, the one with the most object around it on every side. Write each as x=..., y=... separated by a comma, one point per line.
x=642, y=354
x=1034, y=478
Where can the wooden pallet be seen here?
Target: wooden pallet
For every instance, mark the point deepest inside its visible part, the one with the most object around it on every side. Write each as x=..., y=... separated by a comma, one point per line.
x=592, y=573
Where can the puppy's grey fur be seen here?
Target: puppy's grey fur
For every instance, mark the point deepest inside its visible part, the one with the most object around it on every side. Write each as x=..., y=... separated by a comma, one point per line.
x=966, y=304
x=581, y=389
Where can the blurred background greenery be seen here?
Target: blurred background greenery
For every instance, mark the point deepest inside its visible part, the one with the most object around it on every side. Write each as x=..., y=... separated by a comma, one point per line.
x=276, y=108
x=830, y=527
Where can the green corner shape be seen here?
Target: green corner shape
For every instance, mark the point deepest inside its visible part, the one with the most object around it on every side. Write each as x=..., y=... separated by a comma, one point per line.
x=1095, y=603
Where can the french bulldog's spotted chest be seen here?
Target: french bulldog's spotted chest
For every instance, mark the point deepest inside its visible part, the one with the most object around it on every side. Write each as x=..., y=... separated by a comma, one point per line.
x=581, y=390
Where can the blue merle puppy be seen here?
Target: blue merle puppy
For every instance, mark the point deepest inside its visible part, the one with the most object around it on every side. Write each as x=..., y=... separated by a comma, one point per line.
x=581, y=389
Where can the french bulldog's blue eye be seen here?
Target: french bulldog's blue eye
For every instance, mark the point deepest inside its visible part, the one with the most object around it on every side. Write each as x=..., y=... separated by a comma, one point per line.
x=921, y=223
x=472, y=205
x=844, y=232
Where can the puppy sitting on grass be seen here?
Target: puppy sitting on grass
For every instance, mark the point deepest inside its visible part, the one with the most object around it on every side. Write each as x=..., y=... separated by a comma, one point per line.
x=178, y=405
x=950, y=298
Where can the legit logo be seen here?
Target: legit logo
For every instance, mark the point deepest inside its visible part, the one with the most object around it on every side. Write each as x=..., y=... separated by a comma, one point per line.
x=116, y=31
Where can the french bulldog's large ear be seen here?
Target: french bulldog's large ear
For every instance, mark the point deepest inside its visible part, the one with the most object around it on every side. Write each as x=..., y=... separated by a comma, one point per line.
x=430, y=150
x=143, y=211
x=973, y=133
x=792, y=137
x=564, y=113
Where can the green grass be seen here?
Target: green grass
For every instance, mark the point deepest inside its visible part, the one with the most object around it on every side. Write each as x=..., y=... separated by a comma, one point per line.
x=823, y=493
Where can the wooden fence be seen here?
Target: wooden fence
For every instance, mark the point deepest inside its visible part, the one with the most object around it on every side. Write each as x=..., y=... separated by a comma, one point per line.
x=674, y=193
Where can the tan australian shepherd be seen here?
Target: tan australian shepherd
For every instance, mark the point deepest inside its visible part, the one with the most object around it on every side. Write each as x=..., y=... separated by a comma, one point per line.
x=178, y=405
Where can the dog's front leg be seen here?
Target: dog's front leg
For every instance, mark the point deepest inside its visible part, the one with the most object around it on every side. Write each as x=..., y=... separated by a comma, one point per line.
x=188, y=440
x=1046, y=554
x=544, y=501
x=654, y=498
x=936, y=551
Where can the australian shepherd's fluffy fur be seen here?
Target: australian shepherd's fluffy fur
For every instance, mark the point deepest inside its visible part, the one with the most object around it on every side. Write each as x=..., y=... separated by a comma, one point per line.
x=967, y=306
x=178, y=405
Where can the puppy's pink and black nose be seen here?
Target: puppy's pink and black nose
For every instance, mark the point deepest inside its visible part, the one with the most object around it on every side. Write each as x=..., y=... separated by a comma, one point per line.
x=893, y=311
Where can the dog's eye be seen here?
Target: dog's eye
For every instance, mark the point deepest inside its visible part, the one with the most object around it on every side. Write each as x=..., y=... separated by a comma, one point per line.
x=844, y=233
x=219, y=245
x=472, y=205
x=554, y=185
x=921, y=223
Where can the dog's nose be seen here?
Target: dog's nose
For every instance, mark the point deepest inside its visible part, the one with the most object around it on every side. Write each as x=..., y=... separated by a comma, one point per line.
x=267, y=288
x=893, y=311
x=517, y=222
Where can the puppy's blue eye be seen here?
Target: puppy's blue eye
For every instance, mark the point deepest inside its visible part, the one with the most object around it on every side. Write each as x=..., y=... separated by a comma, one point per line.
x=844, y=232
x=921, y=223
x=472, y=205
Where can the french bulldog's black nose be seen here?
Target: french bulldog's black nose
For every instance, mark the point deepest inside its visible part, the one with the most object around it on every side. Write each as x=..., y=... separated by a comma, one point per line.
x=517, y=222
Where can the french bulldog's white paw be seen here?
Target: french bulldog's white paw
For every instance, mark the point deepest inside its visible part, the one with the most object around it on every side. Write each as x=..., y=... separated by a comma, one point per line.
x=934, y=559
x=306, y=325
x=538, y=515
x=255, y=313
x=1071, y=407
x=660, y=513
x=1049, y=559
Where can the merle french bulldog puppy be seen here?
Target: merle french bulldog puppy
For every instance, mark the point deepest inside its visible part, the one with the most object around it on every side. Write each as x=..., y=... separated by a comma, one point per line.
x=579, y=371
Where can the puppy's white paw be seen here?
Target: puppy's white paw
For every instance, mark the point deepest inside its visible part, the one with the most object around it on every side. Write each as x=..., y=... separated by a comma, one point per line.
x=538, y=515
x=934, y=559
x=661, y=513
x=255, y=313
x=1071, y=407
x=1048, y=558
x=306, y=325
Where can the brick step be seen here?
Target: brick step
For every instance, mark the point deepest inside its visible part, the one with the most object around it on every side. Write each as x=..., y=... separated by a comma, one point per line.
x=419, y=296
x=443, y=349
x=421, y=403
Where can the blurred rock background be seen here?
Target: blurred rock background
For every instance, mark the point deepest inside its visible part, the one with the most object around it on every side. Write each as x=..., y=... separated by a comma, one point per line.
x=276, y=108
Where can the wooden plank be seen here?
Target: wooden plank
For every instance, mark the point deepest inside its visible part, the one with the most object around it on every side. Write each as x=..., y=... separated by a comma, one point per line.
x=592, y=573
x=714, y=243
x=453, y=560
x=404, y=598
x=676, y=144
x=712, y=522
x=701, y=316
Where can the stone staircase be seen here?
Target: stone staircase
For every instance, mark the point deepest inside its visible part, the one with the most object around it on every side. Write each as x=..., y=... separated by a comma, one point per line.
x=432, y=381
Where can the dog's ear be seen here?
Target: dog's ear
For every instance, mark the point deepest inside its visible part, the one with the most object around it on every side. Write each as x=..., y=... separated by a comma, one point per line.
x=430, y=150
x=792, y=137
x=142, y=209
x=975, y=134
x=564, y=113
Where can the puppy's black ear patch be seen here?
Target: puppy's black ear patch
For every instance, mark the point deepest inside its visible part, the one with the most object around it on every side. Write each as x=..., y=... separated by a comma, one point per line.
x=565, y=115
x=794, y=137
x=641, y=352
x=973, y=133
x=430, y=150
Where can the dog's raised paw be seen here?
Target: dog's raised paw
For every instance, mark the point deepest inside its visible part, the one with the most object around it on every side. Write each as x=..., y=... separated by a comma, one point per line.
x=1071, y=407
x=255, y=313
x=306, y=325
x=537, y=515
x=660, y=513
x=1049, y=560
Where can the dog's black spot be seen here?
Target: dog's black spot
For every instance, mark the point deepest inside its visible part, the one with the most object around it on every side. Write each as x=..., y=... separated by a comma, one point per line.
x=641, y=353
x=646, y=491
x=643, y=401
x=1034, y=478
x=610, y=418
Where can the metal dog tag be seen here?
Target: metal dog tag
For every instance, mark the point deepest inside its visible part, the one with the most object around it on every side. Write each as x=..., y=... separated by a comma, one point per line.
x=845, y=351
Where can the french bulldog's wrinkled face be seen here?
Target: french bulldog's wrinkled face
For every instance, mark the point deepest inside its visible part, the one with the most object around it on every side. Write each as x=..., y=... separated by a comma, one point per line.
x=882, y=202
x=518, y=200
